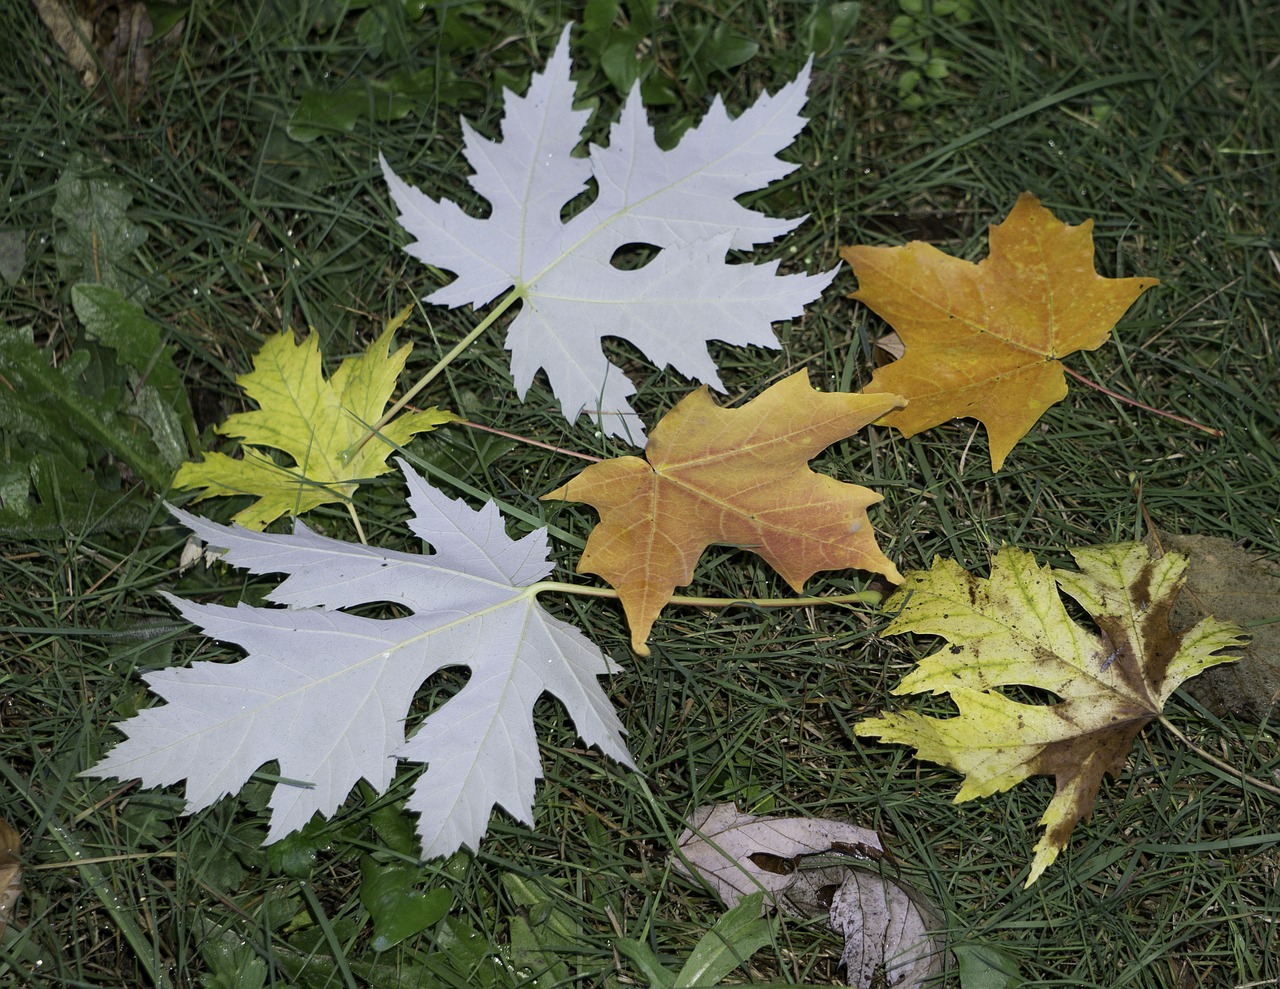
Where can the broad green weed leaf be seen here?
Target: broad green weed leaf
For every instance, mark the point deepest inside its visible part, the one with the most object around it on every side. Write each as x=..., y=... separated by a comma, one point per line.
x=95, y=240
x=318, y=423
x=645, y=962
x=114, y=410
x=160, y=397
x=542, y=934
x=321, y=113
x=398, y=908
x=737, y=935
x=232, y=963
x=295, y=854
x=1014, y=630
x=681, y=201
x=52, y=405
x=986, y=966
x=326, y=694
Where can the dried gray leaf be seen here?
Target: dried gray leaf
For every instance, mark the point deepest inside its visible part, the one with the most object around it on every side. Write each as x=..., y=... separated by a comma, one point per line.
x=738, y=854
x=891, y=344
x=1238, y=586
x=886, y=927
x=10, y=872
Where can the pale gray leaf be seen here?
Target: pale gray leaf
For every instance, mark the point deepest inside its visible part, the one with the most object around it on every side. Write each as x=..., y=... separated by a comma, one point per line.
x=886, y=924
x=738, y=854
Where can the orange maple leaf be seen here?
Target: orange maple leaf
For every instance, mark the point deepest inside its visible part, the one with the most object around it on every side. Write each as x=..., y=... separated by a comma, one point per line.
x=737, y=477
x=985, y=340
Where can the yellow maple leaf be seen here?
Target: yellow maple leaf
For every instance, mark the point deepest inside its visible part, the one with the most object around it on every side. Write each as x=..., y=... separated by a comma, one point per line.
x=737, y=477
x=1013, y=629
x=315, y=422
x=986, y=340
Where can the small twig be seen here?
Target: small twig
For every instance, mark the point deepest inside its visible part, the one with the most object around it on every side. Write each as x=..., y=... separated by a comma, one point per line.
x=355, y=519
x=1147, y=408
x=1215, y=761
x=528, y=442
x=440, y=365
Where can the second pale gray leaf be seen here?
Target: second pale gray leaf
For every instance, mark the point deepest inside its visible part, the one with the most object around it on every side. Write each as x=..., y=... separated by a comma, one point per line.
x=885, y=924
x=738, y=854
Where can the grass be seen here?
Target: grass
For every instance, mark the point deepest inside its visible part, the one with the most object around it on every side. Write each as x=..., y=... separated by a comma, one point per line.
x=1159, y=121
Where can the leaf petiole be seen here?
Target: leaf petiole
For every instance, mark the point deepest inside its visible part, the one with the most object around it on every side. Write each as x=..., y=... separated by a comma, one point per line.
x=855, y=597
x=505, y=304
x=1141, y=405
x=1232, y=771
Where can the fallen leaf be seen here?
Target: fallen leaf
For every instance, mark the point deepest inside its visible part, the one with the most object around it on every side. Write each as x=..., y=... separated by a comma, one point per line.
x=681, y=201
x=1014, y=630
x=888, y=932
x=13, y=254
x=810, y=867
x=316, y=422
x=891, y=345
x=1240, y=587
x=986, y=340
x=738, y=854
x=71, y=32
x=105, y=41
x=737, y=477
x=326, y=694
x=10, y=872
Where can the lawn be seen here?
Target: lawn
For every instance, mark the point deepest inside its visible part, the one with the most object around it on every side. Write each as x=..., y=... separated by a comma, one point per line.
x=240, y=184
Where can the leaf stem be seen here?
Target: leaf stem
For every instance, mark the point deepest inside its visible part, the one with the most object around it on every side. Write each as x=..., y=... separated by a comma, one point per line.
x=441, y=364
x=1215, y=761
x=524, y=439
x=855, y=597
x=1133, y=401
x=351, y=509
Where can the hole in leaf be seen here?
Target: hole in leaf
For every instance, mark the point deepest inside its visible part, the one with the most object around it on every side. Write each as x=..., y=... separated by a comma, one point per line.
x=631, y=257
x=579, y=202
x=1029, y=695
x=437, y=690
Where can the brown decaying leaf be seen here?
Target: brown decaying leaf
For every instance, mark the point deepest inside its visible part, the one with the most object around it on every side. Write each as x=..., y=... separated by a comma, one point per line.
x=891, y=346
x=10, y=872
x=886, y=924
x=736, y=477
x=119, y=32
x=816, y=867
x=1235, y=585
x=738, y=854
x=985, y=340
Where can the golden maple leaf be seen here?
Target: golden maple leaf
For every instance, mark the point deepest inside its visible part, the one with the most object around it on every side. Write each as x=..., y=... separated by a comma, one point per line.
x=318, y=423
x=985, y=340
x=1013, y=629
x=737, y=477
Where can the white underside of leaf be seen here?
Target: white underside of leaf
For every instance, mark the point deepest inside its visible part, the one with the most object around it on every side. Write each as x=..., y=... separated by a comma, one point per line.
x=325, y=694
x=681, y=201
